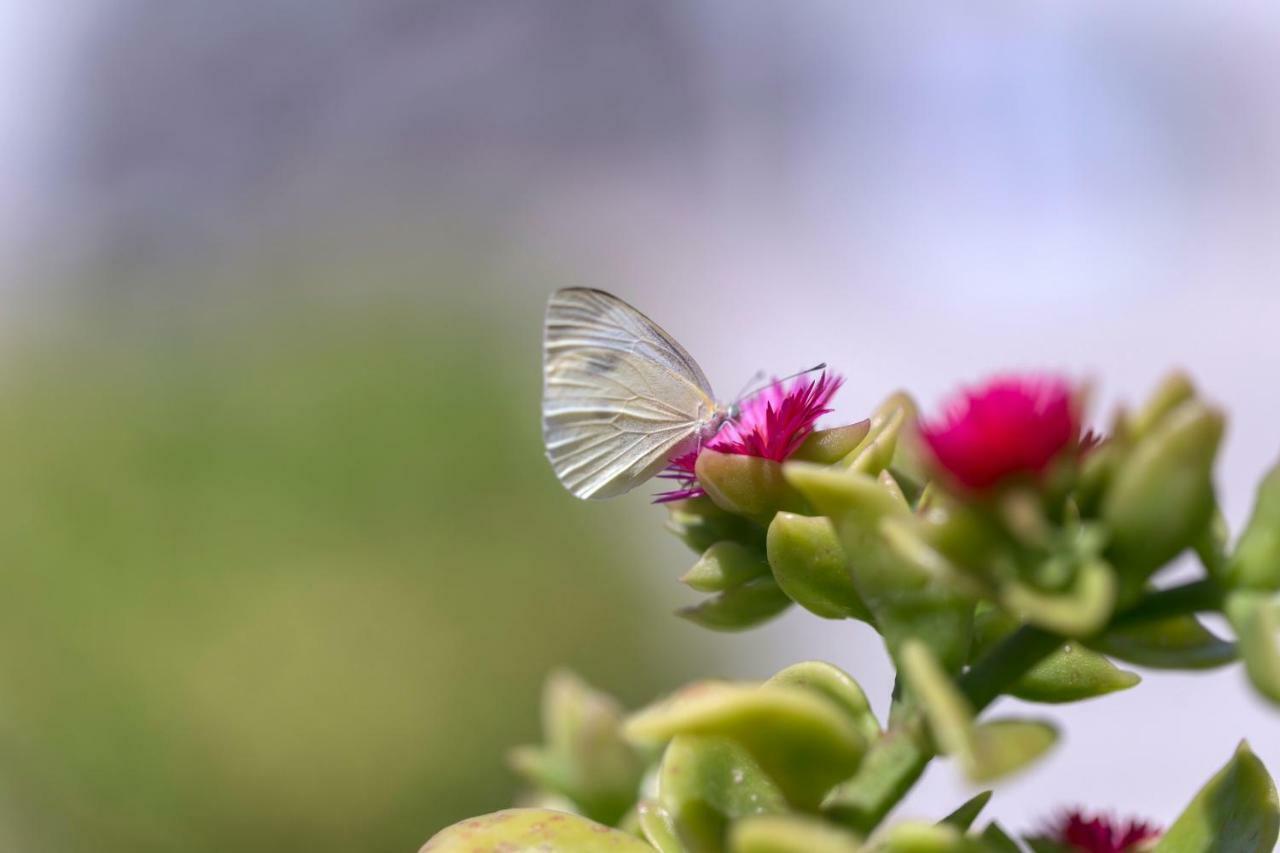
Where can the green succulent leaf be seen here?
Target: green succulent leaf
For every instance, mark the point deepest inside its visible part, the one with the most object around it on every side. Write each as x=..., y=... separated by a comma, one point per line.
x=829, y=446
x=659, y=828
x=585, y=757
x=748, y=486
x=906, y=600
x=810, y=566
x=1255, y=616
x=1255, y=564
x=928, y=838
x=996, y=840
x=1070, y=674
x=790, y=834
x=1235, y=812
x=875, y=452
x=532, y=831
x=892, y=765
x=699, y=523
x=1174, y=390
x=837, y=685
x=804, y=741
x=705, y=783
x=1078, y=611
x=1178, y=642
x=743, y=606
x=963, y=817
x=725, y=565
x=987, y=751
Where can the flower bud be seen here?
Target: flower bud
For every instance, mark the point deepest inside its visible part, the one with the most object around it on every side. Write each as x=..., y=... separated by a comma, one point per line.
x=810, y=566
x=1162, y=496
x=1255, y=564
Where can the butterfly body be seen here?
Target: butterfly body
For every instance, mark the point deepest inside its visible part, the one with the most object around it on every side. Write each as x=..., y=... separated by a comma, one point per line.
x=620, y=398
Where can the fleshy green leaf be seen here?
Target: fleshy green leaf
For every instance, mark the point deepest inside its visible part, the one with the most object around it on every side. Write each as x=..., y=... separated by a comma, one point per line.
x=837, y=685
x=876, y=451
x=996, y=840
x=747, y=485
x=659, y=828
x=829, y=446
x=700, y=524
x=585, y=758
x=725, y=565
x=1255, y=616
x=892, y=765
x=810, y=566
x=1077, y=611
x=963, y=817
x=705, y=783
x=906, y=600
x=987, y=751
x=532, y=831
x=928, y=838
x=1070, y=674
x=743, y=606
x=790, y=834
x=805, y=742
x=1179, y=642
x=1236, y=812
x=1255, y=564
x=1174, y=390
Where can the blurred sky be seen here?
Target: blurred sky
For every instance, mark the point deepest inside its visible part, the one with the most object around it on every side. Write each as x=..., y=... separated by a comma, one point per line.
x=917, y=195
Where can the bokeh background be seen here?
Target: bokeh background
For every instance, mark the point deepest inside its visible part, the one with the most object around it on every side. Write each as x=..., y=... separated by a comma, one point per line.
x=282, y=564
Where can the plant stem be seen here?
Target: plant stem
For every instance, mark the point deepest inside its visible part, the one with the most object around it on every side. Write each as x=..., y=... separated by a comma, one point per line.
x=898, y=761
x=1195, y=597
x=1011, y=659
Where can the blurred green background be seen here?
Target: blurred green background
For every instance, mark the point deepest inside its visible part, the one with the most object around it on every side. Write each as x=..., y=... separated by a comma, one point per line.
x=285, y=572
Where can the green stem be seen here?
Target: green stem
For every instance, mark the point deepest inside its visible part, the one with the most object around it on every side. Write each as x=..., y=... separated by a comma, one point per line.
x=895, y=764
x=1197, y=597
x=1011, y=659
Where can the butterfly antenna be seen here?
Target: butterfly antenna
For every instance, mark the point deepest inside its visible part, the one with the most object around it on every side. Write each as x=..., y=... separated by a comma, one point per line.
x=796, y=375
x=756, y=379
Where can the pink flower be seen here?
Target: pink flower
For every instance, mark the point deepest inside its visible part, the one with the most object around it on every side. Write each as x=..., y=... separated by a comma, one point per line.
x=1011, y=425
x=1100, y=833
x=771, y=424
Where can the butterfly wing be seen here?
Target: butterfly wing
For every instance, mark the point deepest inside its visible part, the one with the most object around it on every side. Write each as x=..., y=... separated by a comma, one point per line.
x=620, y=397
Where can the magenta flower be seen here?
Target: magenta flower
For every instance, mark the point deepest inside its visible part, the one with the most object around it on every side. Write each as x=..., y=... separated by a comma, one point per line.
x=771, y=424
x=1100, y=833
x=1011, y=425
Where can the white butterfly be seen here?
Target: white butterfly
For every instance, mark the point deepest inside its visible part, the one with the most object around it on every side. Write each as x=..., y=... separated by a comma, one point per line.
x=620, y=398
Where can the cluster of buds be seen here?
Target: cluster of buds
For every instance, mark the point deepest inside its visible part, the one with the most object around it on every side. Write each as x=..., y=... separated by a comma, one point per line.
x=999, y=548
